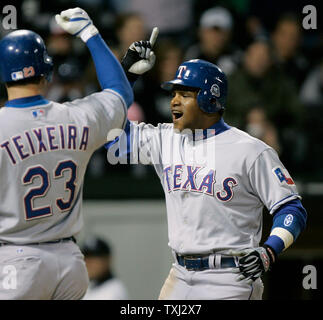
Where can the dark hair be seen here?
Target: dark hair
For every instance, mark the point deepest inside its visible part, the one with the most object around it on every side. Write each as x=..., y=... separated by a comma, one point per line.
x=24, y=82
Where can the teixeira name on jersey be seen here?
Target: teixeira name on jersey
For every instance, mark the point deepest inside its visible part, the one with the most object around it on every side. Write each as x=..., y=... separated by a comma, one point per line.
x=44, y=139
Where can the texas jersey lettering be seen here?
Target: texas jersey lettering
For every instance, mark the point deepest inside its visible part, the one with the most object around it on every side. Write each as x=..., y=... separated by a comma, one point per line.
x=215, y=204
x=198, y=179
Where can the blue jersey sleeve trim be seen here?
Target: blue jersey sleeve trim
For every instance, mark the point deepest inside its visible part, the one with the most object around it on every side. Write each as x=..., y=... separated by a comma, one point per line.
x=278, y=202
x=109, y=71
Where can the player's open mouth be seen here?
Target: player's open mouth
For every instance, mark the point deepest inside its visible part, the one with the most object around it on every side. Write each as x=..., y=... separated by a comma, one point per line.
x=177, y=114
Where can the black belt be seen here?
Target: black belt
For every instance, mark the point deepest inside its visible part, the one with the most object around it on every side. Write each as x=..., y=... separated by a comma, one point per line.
x=37, y=243
x=201, y=262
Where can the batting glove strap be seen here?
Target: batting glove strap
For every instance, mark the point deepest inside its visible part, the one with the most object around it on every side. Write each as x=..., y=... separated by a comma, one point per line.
x=127, y=61
x=88, y=32
x=254, y=263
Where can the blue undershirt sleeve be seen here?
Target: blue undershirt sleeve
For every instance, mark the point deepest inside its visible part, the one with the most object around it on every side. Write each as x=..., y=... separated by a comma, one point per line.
x=109, y=71
x=114, y=146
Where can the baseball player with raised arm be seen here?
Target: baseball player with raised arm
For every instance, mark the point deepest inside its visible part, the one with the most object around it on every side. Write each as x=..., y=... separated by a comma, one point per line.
x=217, y=180
x=44, y=151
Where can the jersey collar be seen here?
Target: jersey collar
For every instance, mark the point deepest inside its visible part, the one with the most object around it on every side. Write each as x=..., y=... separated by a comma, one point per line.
x=26, y=102
x=214, y=130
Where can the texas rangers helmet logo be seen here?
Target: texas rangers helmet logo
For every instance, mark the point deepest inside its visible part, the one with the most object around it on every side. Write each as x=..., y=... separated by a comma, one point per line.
x=283, y=175
x=215, y=90
x=180, y=71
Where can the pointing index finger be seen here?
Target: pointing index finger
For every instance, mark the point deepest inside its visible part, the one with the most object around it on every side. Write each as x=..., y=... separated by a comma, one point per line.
x=153, y=36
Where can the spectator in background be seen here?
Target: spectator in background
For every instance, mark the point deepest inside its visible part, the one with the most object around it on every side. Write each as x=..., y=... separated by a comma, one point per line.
x=103, y=283
x=59, y=43
x=173, y=18
x=67, y=84
x=260, y=127
x=129, y=27
x=286, y=41
x=214, y=43
x=68, y=81
x=267, y=12
x=311, y=92
x=258, y=84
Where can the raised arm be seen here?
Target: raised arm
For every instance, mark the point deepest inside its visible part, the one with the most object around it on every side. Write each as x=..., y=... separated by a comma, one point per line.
x=109, y=71
x=140, y=57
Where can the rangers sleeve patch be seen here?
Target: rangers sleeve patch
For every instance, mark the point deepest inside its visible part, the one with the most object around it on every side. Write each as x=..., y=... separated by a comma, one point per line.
x=283, y=175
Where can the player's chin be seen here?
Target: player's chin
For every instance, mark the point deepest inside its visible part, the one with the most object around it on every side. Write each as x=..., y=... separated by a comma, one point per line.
x=183, y=123
x=181, y=126
x=178, y=125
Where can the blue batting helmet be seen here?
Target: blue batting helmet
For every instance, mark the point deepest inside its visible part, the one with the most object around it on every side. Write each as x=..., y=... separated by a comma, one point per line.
x=23, y=55
x=205, y=76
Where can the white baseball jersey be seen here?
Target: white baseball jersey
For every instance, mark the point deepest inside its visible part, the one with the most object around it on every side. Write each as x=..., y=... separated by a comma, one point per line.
x=215, y=187
x=44, y=150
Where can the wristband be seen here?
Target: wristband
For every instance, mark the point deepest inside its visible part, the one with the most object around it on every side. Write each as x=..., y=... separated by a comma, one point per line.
x=88, y=32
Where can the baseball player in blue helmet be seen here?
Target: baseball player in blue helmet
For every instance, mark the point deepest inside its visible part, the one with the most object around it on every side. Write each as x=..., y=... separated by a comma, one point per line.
x=204, y=77
x=44, y=151
x=217, y=179
x=24, y=56
x=208, y=84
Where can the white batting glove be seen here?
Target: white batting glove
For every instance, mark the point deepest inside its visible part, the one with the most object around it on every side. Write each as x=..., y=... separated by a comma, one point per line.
x=140, y=58
x=77, y=22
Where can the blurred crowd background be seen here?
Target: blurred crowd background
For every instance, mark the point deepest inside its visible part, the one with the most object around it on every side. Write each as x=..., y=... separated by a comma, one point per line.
x=274, y=68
